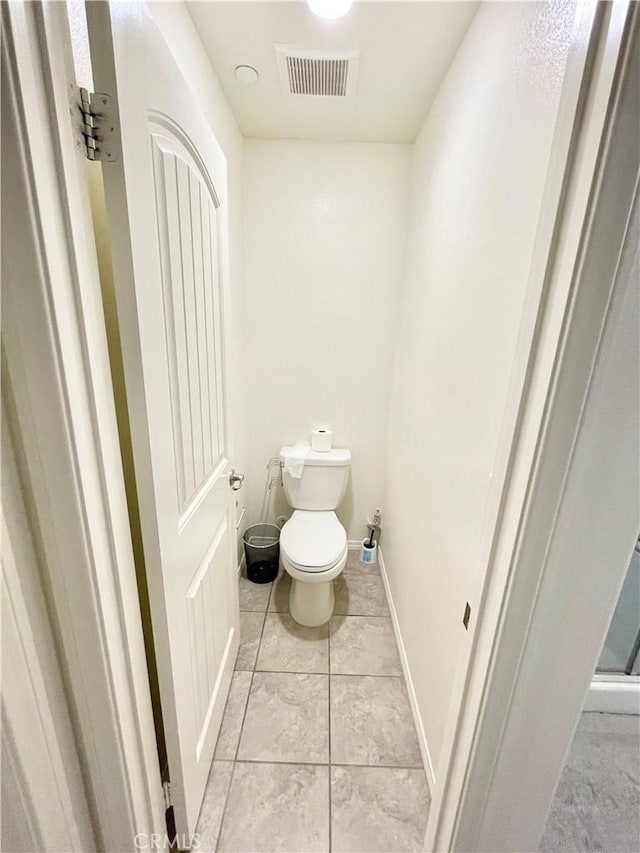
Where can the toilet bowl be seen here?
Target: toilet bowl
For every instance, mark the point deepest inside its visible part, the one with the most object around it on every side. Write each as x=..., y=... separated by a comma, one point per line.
x=313, y=551
x=313, y=543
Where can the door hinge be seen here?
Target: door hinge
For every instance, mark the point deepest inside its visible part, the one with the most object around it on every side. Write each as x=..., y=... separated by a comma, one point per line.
x=166, y=790
x=97, y=127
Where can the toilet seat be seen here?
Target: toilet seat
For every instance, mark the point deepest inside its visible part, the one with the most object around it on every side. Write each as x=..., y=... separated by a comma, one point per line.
x=313, y=542
x=323, y=577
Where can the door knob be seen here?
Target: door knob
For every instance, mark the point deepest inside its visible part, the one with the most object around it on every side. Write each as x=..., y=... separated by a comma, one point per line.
x=235, y=480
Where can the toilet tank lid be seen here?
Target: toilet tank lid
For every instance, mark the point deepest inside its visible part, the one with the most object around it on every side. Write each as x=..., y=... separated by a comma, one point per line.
x=331, y=458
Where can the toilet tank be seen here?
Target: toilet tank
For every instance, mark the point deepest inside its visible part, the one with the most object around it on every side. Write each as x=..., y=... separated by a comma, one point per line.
x=324, y=479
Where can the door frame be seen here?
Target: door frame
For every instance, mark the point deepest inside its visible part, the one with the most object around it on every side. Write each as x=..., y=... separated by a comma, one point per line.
x=56, y=363
x=510, y=683
x=94, y=599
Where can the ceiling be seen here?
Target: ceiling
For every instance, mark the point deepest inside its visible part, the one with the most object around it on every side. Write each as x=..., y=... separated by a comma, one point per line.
x=405, y=51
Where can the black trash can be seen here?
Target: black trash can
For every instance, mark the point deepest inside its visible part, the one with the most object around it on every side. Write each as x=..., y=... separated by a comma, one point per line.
x=262, y=550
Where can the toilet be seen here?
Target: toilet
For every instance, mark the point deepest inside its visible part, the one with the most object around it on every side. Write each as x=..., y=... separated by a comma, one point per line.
x=313, y=543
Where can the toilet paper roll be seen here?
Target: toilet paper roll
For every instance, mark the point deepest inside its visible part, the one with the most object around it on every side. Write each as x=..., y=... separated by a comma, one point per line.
x=321, y=439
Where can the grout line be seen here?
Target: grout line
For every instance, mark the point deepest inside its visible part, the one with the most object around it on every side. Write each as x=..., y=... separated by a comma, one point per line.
x=315, y=672
x=369, y=572
x=244, y=716
x=226, y=799
x=336, y=614
x=255, y=663
x=363, y=675
x=273, y=586
x=260, y=609
x=361, y=616
x=273, y=589
x=362, y=572
x=386, y=615
x=398, y=677
x=337, y=764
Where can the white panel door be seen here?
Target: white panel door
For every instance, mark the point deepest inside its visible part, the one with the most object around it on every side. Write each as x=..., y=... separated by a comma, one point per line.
x=167, y=210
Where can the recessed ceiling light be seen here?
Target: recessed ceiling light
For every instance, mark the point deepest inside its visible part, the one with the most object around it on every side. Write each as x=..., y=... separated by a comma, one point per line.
x=330, y=8
x=247, y=74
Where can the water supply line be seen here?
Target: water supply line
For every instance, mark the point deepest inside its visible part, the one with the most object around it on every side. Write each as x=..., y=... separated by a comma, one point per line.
x=264, y=509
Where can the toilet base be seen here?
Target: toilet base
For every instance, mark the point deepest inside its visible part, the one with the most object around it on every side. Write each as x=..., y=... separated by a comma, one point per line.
x=311, y=604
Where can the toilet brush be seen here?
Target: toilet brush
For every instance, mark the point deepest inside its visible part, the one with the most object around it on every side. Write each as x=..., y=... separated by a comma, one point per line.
x=368, y=554
x=370, y=542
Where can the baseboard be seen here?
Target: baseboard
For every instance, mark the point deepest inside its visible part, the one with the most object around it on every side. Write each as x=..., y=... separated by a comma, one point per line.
x=613, y=694
x=417, y=719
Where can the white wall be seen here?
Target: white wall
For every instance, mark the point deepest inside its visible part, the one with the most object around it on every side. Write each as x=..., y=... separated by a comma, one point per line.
x=324, y=246
x=479, y=174
x=179, y=32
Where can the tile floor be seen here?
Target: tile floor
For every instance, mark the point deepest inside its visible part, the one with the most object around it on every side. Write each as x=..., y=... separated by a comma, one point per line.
x=317, y=749
x=597, y=802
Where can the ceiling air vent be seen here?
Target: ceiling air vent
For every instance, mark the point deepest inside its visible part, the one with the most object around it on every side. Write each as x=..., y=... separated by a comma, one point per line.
x=306, y=71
